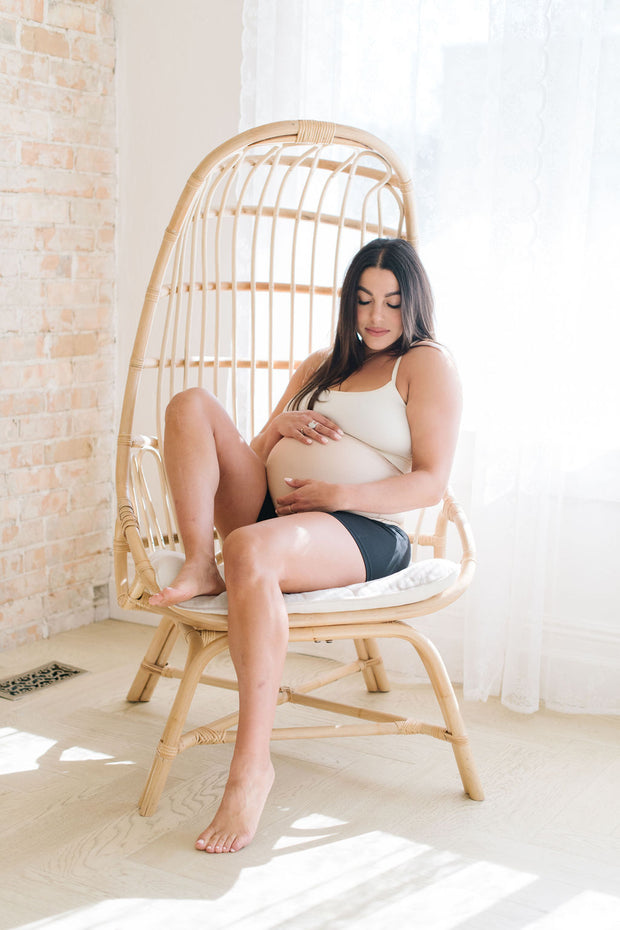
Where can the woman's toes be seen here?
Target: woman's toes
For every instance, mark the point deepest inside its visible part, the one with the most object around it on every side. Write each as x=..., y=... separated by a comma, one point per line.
x=220, y=843
x=209, y=843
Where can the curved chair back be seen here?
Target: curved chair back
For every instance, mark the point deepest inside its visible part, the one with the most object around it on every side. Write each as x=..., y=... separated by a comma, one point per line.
x=246, y=285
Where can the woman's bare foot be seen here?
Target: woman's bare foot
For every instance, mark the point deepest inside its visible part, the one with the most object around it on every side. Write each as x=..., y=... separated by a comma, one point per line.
x=236, y=820
x=191, y=581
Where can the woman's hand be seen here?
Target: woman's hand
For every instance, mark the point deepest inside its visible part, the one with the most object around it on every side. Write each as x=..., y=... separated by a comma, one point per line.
x=307, y=495
x=306, y=426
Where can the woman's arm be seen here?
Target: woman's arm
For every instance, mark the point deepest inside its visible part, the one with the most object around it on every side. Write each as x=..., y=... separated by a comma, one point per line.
x=287, y=423
x=428, y=379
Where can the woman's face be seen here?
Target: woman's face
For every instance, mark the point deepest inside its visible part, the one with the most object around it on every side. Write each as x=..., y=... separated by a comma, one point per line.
x=379, y=320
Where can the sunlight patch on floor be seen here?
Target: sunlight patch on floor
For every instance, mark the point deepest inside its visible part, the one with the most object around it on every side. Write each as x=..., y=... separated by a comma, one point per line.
x=355, y=880
x=20, y=751
x=125, y=914
x=587, y=909
x=469, y=890
x=449, y=893
x=317, y=821
x=313, y=826
x=448, y=902
x=79, y=754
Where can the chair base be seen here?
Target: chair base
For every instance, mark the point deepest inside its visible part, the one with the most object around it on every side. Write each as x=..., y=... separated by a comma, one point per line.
x=203, y=646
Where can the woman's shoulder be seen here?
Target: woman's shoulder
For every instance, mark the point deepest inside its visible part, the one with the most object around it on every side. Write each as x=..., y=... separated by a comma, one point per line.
x=312, y=363
x=427, y=361
x=427, y=353
x=319, y=356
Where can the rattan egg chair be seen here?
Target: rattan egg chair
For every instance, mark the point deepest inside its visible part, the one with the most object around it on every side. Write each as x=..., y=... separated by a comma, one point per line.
x=244, y=287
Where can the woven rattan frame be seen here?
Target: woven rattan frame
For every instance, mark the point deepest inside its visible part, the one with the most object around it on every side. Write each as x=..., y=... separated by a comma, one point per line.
x=245, y=285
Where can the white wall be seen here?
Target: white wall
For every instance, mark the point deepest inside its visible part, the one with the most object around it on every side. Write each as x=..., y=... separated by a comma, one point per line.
x=179, y=82
x=178, y=92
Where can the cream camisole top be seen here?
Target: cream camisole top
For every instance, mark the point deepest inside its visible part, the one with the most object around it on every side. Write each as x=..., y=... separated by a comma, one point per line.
x=376, y=443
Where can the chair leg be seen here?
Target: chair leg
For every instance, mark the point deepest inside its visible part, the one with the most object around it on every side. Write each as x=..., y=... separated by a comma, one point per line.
x=375, y=676
x=444, y=692
x=155, y=658
x=199, y=655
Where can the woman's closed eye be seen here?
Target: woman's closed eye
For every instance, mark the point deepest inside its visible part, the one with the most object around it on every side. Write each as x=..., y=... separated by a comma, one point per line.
x=364, y=303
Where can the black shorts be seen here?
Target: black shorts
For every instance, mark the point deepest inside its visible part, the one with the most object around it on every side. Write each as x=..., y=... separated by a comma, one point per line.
x=385, y=548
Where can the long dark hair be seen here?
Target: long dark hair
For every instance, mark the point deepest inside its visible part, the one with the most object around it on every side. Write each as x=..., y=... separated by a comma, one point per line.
x=416, y=307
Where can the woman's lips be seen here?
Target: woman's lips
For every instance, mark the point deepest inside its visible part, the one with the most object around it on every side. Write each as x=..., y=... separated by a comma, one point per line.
x=377, y=332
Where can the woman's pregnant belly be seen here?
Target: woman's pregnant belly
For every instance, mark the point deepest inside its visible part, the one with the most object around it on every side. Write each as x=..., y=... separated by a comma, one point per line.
x=340, y=461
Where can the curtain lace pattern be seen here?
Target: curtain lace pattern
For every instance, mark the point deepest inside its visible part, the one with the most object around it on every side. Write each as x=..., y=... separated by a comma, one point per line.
x=508, y=114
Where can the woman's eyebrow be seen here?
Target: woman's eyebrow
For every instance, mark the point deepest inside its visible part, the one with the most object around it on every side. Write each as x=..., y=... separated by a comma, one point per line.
x=360, y=287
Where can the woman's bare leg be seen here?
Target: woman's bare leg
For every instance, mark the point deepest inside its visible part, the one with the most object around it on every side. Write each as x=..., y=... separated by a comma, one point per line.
x=297, y=553
x=207, y=462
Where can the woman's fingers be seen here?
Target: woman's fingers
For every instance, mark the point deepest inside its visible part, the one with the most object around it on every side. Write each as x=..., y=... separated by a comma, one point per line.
x=307, y=427
x=328, y=427
x=306, y=495
x=290, y=503
x=320, y=428
x=325, y=429
x=295, y=483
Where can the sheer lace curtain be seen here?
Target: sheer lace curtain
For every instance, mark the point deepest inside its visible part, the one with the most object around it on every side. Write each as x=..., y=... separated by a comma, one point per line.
x=508, y=112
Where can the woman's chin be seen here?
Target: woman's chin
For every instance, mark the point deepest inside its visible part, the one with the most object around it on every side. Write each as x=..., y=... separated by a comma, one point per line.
x=376, y=344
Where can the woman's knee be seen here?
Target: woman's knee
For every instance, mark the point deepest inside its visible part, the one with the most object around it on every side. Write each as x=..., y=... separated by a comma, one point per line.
x=191, y=403
x=246, y=556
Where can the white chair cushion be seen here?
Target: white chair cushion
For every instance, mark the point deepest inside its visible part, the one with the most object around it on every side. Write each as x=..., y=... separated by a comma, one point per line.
x=418, y=582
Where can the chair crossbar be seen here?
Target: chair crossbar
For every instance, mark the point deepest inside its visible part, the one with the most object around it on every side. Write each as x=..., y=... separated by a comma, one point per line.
x=396, y=728
x=263, y=287
x=336, y=674
x=338, y=707
x=400, y=726
x=261, y=364
x=330, y=165
x=307, y=216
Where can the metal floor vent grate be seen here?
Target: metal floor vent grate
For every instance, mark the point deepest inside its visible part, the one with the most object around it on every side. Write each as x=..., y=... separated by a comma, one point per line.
x=14, y=688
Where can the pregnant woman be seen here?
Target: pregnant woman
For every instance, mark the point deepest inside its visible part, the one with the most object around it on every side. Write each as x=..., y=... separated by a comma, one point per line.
x=365, y=432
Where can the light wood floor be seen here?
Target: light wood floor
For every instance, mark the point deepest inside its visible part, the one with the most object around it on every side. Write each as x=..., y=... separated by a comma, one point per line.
x=357, y=833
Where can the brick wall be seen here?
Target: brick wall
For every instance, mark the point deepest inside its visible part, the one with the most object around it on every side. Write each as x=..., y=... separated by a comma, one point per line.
x=57, y=326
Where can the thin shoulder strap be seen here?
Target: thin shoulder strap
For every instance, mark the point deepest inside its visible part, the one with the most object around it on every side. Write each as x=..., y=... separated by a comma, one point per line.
x=395, y=369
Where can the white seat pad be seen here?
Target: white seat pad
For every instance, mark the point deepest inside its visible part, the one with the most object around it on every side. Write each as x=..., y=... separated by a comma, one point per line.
x=418, y=582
